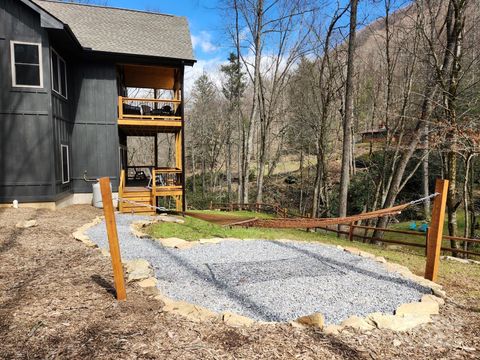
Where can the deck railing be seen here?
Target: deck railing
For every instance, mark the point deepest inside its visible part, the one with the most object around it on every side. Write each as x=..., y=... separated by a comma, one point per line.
x=148, y=109
x=165, y=177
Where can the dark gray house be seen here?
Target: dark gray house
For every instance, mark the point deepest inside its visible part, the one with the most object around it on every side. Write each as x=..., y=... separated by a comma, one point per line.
x=65, y=106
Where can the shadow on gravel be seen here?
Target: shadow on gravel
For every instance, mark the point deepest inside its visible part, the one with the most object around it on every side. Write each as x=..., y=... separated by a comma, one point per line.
x=399, y=281
x=243, y=300
x=102, y=282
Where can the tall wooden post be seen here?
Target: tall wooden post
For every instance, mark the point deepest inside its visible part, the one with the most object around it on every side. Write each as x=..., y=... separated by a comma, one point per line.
x=435, y=233
x=155, y=150
x=113, y=238
x=350, y=232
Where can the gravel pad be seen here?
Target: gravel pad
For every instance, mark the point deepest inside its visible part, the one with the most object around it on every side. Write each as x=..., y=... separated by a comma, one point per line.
x=268, y=280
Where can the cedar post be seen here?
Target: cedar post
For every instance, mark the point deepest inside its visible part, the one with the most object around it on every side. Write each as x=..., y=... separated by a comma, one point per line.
x=350, y=233
x=426, y=240
x=435, y=233
x=113, y=238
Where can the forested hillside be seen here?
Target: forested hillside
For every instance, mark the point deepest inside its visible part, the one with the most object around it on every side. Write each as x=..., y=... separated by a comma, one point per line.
x=287, y=116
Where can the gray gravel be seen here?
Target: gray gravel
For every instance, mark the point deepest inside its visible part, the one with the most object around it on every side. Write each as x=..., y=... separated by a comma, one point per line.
x=268, y=280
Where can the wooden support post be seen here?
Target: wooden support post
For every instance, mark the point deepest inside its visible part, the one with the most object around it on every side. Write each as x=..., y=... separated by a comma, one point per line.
x=350, y=232
x=435, y=233
x=113, y=238
x=155, y=150
x=178, y=203
x=178, y=150
x=120, y=107
x=426, y=240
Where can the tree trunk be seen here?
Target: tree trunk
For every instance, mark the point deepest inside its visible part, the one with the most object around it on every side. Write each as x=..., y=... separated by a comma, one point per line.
x=194, y=170
x=228, y=165
x=318, y=181
x=348, y=114
x=425, y=173
x=467, y=201
x=399, y=171
x=261, y=168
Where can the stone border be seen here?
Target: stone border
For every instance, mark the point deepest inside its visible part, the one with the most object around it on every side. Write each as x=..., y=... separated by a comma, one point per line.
x=406, y=317
x=79, y=233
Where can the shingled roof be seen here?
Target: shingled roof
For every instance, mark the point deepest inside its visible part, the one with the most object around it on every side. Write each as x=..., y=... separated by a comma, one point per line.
x=123, y=31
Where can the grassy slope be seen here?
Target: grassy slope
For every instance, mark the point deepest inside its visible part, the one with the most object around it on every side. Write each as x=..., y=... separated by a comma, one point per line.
x=464, y=279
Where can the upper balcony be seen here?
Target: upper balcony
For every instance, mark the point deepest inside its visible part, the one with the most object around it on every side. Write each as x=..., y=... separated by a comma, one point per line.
x=150, y=99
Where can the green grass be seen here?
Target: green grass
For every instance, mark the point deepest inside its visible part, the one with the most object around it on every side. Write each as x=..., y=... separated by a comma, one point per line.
x=240, y=214
x=195, y=229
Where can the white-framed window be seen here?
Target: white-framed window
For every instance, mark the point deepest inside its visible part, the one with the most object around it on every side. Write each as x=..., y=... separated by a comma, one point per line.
x=65, y=158
x=59, y=74
x=26, y=60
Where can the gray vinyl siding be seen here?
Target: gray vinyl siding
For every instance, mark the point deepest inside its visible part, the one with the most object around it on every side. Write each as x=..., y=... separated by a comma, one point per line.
x=95, y=134
x=26, y=131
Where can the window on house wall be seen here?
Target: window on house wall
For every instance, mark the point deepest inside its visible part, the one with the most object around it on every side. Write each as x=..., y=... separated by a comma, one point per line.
x=65, y=164
x=26, y=64
x=59, y=74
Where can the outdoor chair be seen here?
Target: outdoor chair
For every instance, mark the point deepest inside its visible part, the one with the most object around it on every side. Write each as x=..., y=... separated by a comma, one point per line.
x=158, y=181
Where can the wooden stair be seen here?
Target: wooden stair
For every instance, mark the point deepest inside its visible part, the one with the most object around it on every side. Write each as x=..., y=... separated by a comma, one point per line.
x=138, y=197
x=141, y=199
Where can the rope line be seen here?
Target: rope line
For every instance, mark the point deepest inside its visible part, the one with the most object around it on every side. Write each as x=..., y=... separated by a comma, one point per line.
x=319, y=222
x=141, y=204
x=310, y=222
x=414, y=202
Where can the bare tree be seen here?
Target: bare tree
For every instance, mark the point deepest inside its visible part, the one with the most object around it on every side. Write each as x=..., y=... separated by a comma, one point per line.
x=348, y=114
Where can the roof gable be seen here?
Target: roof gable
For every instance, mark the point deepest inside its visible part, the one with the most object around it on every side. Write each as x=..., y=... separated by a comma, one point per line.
x=123, y=31
x=46, y=20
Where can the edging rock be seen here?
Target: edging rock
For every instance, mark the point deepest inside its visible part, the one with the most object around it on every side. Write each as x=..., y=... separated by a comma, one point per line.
x=232, y=319
x=398, y=322
x=418, y=308
x=138, y=269
x=79, y=233
x=315, y=320
x=426, y=298
x=190, y=311
x=357, y=323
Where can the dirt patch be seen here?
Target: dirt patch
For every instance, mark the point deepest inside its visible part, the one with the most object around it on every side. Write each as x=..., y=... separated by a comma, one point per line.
x=56, y=302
